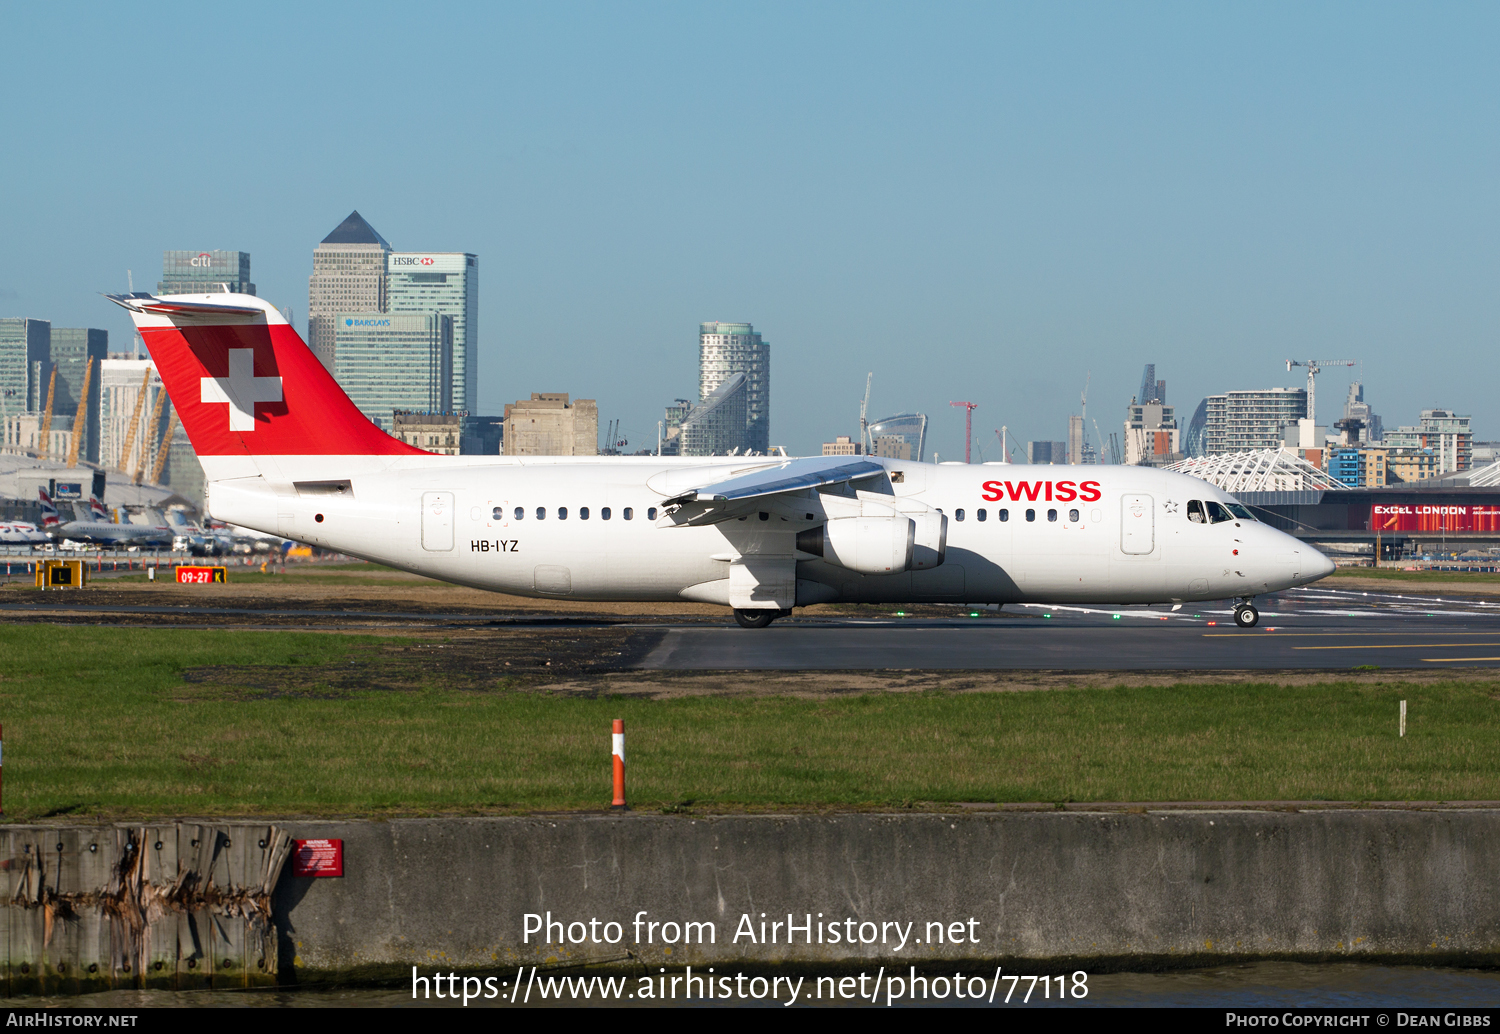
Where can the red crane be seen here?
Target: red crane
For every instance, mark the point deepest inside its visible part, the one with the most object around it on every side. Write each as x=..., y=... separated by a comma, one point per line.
x=969, y=408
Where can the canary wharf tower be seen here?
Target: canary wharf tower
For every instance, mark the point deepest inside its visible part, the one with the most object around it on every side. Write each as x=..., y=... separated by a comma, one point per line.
x=349, y=275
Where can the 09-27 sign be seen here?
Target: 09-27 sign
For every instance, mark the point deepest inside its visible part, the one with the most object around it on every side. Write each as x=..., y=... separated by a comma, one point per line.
x=202, y=575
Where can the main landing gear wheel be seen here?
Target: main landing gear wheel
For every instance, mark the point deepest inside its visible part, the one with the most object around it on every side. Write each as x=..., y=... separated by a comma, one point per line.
x=756, y=618
x=1246, y=616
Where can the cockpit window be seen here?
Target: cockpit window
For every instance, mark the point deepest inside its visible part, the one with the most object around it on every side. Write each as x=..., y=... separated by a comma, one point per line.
x=1195, y=512
x=1240, y=512
x=1217, y=513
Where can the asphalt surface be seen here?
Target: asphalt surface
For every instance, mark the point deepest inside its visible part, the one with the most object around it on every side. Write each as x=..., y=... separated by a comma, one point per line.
x=1305, y=628
x=1310, y=628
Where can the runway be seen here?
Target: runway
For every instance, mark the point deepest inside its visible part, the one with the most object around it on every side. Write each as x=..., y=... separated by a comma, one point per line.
x=1310, y=628
x=1306, y=628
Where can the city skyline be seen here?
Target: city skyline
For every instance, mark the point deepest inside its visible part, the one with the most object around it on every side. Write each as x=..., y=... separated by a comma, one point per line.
x=1051, y=194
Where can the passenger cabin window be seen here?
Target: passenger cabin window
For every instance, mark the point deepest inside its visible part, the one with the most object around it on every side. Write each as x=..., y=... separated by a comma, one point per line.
x=627, y=513
x=980, y=515
x=650, y=513
x=1005, y=515
x=562, y=513
x=583, y=513
x=520, y=512
x=1195, y=512
x=958, y=515
x=604, y=513
x=497, y=514
x=1073, y=516
x=1217, y=514
x=1031, y=515
x=1052, y=515
x=541, y=513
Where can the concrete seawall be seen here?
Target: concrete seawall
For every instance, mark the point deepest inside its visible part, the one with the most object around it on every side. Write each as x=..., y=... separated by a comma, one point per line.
x=1100, y=890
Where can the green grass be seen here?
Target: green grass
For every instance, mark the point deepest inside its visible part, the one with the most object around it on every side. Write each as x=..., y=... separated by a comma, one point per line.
x=1386, y=574
x=101, y=722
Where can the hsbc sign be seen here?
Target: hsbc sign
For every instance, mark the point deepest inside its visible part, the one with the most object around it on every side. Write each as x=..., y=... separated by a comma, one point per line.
x=426, y=263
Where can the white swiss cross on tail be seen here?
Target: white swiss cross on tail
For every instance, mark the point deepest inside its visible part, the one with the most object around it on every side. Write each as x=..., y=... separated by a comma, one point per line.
x=241, y=389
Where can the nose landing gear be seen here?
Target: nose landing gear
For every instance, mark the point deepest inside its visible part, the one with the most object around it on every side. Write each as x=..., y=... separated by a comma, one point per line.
x=1245, y=615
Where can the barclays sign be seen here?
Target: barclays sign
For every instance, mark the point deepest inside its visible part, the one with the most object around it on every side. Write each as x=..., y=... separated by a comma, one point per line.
x=366, y=323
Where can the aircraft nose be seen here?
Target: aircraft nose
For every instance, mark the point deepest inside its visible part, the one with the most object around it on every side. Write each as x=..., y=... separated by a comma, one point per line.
x=1324, y=566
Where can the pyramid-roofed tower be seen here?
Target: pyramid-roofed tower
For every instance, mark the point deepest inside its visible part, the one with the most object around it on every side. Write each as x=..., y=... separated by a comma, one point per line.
x=349, y=275
x=356, y=230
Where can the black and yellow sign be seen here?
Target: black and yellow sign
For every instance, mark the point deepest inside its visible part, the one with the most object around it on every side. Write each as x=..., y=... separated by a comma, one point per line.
x=61, y=574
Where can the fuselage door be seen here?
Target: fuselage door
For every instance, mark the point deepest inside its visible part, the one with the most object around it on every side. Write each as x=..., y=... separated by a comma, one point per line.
x=1137, y=525
x=437, y=521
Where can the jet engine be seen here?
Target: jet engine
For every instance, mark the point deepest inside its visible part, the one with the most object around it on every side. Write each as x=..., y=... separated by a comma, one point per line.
x=869, y=545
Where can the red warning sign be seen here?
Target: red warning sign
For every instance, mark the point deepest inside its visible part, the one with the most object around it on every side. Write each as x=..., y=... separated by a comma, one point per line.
x=318, y=858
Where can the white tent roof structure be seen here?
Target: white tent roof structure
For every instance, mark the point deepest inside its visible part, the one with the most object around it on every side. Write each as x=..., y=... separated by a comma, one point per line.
x=1263, y=470
x=1485, y=477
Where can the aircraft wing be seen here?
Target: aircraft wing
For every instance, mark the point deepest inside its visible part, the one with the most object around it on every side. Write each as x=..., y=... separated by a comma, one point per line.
x=720, y=498
x=789, y=476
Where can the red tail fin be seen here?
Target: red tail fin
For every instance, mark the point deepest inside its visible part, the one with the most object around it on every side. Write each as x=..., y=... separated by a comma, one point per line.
x=244, y=383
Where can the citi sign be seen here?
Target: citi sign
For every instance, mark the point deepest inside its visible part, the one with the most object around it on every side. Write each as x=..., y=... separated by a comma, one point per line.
x=1061, y=491
x=202, y=259
x=367, y=323
x=412, y=260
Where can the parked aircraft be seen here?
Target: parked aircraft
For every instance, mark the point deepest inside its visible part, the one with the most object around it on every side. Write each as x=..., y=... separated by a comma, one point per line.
x=22, y=533
x=99, y=532
x=285, y=451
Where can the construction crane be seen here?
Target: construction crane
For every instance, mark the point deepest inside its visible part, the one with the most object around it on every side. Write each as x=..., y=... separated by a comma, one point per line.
x=1086, y=450
x=1101, y=440
x=166, y=446
x=135, y=420
x=140, y=470
x=969, y=408
x=1114, y=448
x=46, y=433
x=81, y=420
x=864, y=408
x=1313, y=366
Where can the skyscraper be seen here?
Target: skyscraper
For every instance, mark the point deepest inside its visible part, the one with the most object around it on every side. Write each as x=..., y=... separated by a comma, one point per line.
x=205, y=272
x=720, y=423
x=23, y=343
x=725, y=349
x=446, y=283
x=72, y=349
x=909, y=428
x=387, y=362
x=349, y=275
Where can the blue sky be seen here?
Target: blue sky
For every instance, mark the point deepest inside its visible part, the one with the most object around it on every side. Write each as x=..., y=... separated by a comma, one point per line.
x=976, y=202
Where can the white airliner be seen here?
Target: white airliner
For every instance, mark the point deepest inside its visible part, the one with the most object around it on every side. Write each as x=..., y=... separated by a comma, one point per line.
x=21, y=533
x=100, y=531
x=284, y=451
